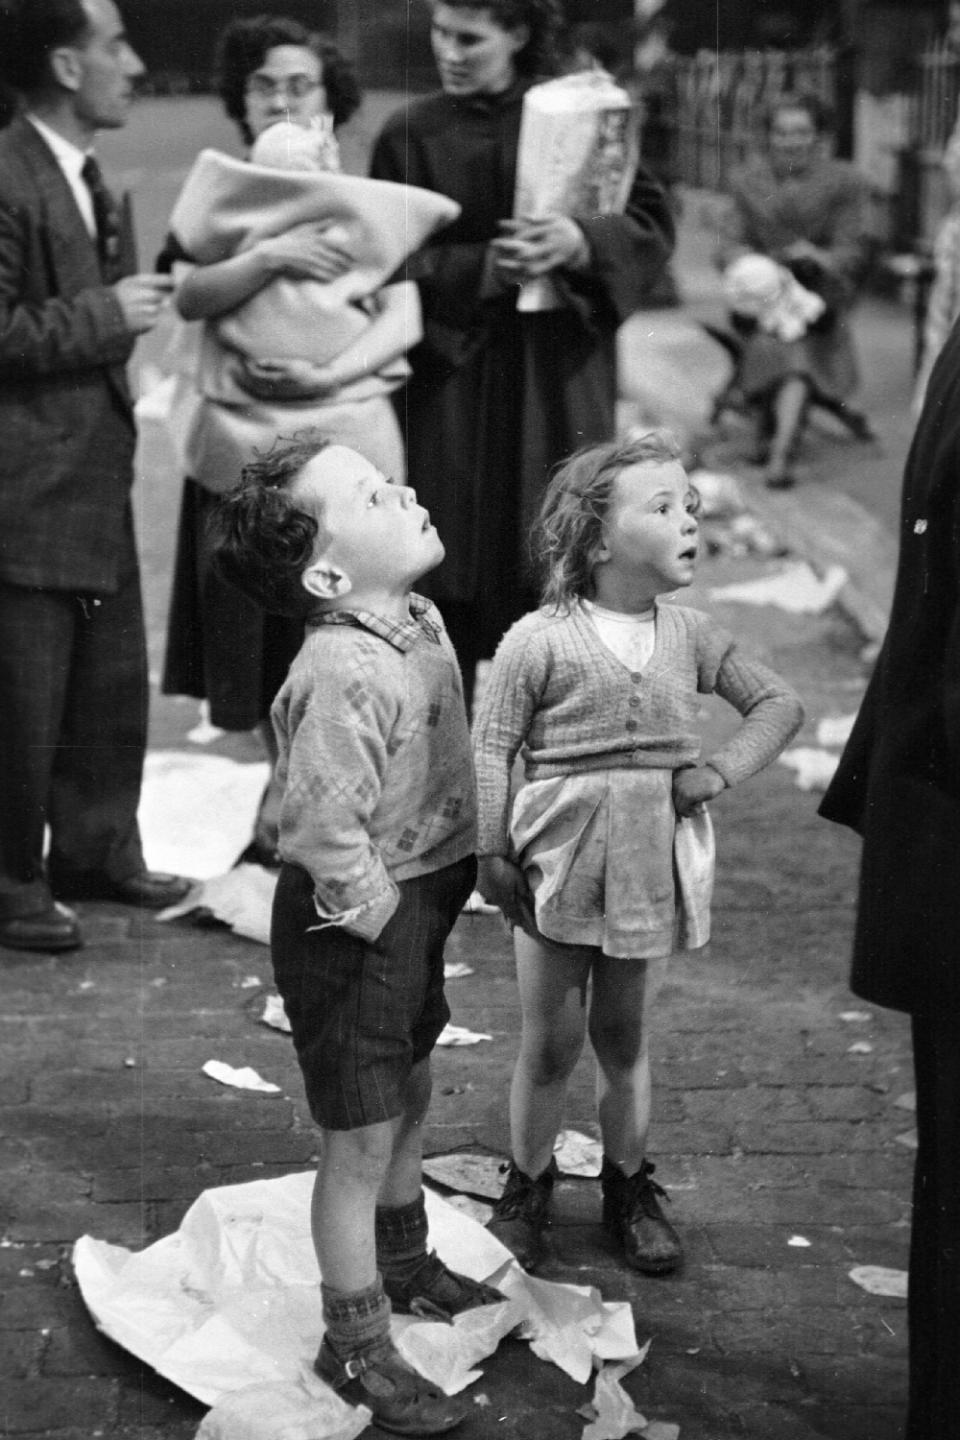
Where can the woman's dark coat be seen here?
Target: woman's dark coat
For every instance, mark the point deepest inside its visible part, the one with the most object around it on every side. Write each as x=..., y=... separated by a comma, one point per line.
x=497, y=397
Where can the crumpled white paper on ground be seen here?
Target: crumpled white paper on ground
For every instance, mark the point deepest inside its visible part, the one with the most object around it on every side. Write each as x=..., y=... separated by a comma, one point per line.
x=232, y=1300
x=197, y=811
x=795, y=588
x=880, y=1280
x=242, y=898
x=813, y=768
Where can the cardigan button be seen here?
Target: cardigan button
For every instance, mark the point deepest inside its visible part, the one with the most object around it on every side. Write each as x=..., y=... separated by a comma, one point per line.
x=636, y=677
x=631, y=725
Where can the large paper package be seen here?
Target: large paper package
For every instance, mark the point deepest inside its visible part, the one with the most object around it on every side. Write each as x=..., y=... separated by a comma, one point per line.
x=577, y=156
x=226, y=206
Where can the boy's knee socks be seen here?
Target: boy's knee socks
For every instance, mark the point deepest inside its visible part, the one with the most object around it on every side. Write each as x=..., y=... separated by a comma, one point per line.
x=355, y=1319
x=401, y=1236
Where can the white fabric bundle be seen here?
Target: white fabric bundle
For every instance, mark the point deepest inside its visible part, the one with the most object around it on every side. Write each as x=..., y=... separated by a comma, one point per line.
x=226, y=206
x=758, y=288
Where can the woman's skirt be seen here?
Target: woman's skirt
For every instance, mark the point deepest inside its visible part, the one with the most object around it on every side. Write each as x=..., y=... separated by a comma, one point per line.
x=611, y=864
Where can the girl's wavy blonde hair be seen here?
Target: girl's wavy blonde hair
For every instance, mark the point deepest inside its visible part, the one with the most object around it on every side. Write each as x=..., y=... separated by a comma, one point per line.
x=569, y=527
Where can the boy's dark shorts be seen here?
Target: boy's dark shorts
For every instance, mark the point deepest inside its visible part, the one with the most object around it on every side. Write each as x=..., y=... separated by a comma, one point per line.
x=364, y=1012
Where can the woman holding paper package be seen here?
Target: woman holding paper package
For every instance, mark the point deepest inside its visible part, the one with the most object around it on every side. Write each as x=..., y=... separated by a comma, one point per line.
x=296, y=334
x=498, y=396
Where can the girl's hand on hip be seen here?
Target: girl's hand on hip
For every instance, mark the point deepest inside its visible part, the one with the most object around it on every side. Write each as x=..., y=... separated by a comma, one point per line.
x=504, y=884
x=693, y=787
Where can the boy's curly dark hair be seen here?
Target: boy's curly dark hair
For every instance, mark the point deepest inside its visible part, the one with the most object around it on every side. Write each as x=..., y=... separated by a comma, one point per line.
x=570, y=524
x=242, y=48
x=543, y=18
x=260, y=540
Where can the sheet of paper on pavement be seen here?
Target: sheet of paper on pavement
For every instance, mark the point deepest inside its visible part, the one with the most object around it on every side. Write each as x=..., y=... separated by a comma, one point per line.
x=794, y=588
x=197, y=810
x=232, y=1298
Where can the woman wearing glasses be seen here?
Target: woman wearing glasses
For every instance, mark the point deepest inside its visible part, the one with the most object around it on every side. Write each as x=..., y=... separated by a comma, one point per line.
x=221, y=647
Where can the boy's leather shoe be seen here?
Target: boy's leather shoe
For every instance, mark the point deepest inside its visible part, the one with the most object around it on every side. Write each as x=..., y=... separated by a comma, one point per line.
x=522, y=1214
x=52, y=929
x=436, y=1293
x=147, y=889
x=399, y=1399
x=633, y=1217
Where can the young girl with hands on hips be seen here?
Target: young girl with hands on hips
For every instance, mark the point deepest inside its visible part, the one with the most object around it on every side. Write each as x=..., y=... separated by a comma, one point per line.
x=603, y=863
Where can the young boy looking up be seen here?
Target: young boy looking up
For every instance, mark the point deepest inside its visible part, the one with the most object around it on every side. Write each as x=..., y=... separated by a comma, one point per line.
x=377, y=833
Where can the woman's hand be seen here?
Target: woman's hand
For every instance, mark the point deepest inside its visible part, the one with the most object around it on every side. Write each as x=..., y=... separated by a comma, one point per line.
x=304, y=253
x=286, y=379
x=693, y=787
x=531, y=247
x=504, y=884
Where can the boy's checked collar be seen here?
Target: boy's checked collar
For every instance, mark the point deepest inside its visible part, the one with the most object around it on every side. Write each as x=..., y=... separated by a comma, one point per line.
x=402, y=634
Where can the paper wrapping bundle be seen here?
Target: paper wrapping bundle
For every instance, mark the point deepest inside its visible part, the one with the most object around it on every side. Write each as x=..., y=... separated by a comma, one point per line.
x=226, y=206
x=577, y=156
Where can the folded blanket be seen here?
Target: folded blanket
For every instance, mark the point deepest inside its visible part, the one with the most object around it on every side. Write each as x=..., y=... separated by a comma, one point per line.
x=227, y=205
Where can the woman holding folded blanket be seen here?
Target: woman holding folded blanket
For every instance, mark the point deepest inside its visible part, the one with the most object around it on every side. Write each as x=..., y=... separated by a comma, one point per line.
x=221, y=647
x=498, y=396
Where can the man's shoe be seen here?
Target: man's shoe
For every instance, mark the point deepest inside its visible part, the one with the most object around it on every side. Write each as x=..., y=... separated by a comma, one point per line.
x=522, y=1214
x=147, y=889
x=435, y=1293
x=52, y=929
x=399, y=1399
x=634, y=1219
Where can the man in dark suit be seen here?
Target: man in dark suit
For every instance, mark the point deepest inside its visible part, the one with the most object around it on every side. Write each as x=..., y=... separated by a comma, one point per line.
x=898, y=785
x=73, y=678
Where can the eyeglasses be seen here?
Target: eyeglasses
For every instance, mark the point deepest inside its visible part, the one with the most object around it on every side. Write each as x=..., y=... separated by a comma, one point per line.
x=294, y=87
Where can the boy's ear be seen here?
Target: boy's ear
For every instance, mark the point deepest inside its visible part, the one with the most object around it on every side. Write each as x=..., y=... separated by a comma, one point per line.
x=326, y=580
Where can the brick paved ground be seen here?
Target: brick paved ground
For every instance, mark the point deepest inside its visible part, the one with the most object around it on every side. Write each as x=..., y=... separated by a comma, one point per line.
x=767, y=1126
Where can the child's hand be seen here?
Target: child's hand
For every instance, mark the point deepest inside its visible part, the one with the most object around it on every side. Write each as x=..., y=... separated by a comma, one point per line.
x=693, y=787
x=504, y=885
x=306, y=252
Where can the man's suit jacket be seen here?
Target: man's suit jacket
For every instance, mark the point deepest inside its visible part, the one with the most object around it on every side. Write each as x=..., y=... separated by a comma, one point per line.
x=66, y=421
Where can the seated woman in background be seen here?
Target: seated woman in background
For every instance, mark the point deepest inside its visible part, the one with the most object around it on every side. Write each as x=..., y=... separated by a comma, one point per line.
x=810, y=213
x=222, y=647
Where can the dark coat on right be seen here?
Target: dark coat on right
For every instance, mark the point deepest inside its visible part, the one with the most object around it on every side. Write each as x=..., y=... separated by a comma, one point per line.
x=898, y=782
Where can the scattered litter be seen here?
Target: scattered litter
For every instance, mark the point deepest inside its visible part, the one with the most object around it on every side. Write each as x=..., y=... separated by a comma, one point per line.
x=467, y=1172
x=242, y=899
x=249, y=982
x=800, y=1242
x=835, y=729
x=482, y=1400
x=879, y=1280
x=87, y=985
x=908, y=1101
x=795, y=588
x=476, y=905
x=720, y=494
x=300, y=1409
x=130, y=1063
x=25, y=1274
x=456, y=970
x=860, y=1047
x=245, y=1078
x=855, y=1017
x=578, y=1154
x=814, y=768
x=231, y=1301
x=274, y=1014
x=197, y=811
x=460, y=1035
x=612, y=1414
x=908, y=1138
